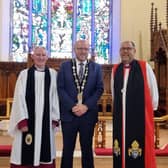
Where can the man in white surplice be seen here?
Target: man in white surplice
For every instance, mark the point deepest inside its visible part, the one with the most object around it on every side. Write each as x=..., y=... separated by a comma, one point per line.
x=35, y=115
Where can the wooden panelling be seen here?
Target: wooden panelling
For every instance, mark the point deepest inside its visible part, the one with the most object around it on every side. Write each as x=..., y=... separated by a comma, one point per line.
x=159, y=54
x=9, y=72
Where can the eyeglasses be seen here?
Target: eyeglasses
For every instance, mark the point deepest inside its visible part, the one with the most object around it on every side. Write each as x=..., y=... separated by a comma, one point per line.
x=85, y=49
x=126, y=48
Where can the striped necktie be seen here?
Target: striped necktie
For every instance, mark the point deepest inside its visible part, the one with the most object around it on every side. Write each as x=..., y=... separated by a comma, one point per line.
x=80, y=71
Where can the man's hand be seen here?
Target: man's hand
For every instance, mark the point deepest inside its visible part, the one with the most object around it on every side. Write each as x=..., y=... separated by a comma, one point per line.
x=24, y=129
x=79, y=109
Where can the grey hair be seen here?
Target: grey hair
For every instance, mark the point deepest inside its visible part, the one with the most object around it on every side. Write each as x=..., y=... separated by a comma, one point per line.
x=132, y=43
x=37, y=47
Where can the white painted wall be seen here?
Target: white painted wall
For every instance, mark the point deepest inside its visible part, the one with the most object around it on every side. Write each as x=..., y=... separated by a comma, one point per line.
x=135, y=23
x=116, y=30
x=4, y=29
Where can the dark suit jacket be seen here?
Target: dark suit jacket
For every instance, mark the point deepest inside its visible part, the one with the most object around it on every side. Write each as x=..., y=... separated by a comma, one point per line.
x=67, y=91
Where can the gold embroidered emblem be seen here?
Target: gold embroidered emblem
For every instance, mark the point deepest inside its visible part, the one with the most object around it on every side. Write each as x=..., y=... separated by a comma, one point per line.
x=134, y=151
x=116, y=148
x=28, y=139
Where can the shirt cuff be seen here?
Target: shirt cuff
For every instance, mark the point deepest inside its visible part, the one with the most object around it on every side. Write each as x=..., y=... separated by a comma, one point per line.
x=55, y=123
x=22, y=124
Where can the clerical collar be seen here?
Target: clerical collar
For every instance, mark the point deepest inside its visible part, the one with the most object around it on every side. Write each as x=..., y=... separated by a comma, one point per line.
x=127, y=65
x=39, y=69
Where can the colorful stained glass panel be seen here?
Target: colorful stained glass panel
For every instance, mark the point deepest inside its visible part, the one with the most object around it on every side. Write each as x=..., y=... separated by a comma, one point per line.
x=102, y=30
x=50, y=23
x=61, y=29
x=19, y=35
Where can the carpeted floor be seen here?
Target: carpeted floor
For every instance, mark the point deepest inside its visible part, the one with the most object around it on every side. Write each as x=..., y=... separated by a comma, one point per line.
x=100, y=161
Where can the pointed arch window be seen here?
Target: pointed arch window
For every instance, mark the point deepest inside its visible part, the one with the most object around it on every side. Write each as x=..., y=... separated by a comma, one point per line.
x=57, y=24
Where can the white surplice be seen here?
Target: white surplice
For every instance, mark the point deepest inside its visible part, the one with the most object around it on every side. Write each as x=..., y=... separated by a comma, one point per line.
x=152, y=83
x=19, y=112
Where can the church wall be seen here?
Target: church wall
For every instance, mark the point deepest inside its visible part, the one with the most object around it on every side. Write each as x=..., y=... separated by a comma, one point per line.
x=135, y=23
x=9, y=72
x=4, y=29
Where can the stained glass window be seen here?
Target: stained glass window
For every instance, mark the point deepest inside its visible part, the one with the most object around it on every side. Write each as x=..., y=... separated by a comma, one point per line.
x=102, y=29
x=61, y=29
x=56, y=24
x=19, y=29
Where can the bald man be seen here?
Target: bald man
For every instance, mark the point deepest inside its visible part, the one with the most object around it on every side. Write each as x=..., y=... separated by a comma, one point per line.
x=80, y=86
